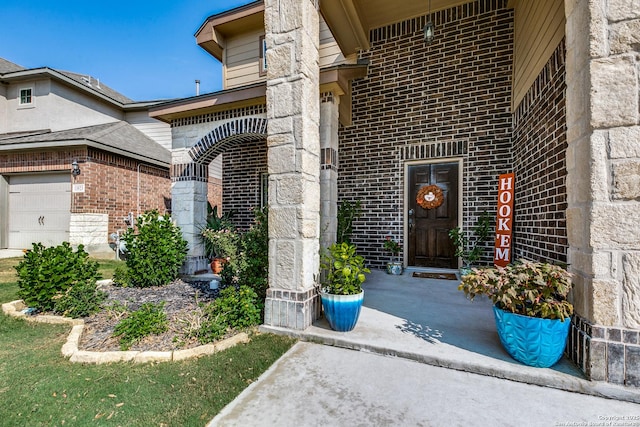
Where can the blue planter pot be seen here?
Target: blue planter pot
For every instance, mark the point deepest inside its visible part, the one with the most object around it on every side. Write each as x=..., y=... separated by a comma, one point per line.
x=531, y=340
x=342, y=311
x=394, y=268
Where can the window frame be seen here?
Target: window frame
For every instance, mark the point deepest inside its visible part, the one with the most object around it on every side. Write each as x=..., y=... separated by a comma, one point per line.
x=262, y=62
x=31, y=97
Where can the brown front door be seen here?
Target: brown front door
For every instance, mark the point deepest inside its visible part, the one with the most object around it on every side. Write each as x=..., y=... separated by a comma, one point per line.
x=429, y=244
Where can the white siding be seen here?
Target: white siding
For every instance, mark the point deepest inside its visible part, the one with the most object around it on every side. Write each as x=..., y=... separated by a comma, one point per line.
x=242, y=56
x=242, y=59
x=215, y=168
x=159, y=131
x=330, y=53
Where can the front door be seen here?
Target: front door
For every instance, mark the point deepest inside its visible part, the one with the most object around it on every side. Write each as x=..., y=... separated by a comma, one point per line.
x=429, y=222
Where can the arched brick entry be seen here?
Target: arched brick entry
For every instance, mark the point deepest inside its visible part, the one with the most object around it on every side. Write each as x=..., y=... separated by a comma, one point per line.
x=189, y=177
x=227, y=135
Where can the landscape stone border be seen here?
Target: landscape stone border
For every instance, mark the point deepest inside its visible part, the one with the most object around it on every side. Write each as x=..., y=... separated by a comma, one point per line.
x=70, y=348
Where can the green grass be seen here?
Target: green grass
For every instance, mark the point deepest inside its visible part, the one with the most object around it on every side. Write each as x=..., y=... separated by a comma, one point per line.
x=39, y=387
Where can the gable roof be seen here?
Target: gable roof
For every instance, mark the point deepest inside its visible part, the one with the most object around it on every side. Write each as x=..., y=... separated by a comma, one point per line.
x=117, y=137
x=10, y=72
x=96, y=84
x=9, y=67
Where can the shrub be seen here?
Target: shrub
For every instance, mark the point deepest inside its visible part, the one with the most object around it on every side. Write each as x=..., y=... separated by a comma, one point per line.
x=156, y=251
x=80, y=300
x=471, y=252
x=529, y=288
x=249, y=266
x=46, y=272
x=234, y=309
x=343, y=270
x=120, y=276
x=254, y=260
x=215, y=223
x=149, y=319
x=347, y=213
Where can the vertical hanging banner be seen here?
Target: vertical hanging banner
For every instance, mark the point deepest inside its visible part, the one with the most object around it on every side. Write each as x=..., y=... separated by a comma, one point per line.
x=504, y=220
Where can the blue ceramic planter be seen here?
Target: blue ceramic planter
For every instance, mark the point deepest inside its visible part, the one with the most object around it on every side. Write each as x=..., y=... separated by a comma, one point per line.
x=342, y=311
x=531, y=340
x=394, y=268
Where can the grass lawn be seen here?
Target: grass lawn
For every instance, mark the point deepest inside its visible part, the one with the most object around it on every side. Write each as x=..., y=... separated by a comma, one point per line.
x=38, y=387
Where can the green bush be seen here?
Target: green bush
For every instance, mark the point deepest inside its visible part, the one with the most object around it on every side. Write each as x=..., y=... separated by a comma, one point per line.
x=80, y=300
x=46, y=272
x=343, y=270
x=155, y=253
x=250, y=264
x=234, y=309
x=254, y=262
x=149, y=319
x=120, y=277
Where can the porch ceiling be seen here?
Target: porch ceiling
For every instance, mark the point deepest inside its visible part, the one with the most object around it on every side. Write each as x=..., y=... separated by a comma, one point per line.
x=351, y=20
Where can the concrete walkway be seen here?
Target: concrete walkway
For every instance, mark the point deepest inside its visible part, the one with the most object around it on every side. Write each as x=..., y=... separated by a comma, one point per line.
x=316, y=385
x=428, y=321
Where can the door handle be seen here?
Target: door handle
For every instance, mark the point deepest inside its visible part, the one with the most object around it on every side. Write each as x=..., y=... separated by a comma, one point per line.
x=41, y=220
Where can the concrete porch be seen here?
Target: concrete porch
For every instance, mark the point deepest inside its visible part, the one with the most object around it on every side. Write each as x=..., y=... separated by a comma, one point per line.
x=430, y=321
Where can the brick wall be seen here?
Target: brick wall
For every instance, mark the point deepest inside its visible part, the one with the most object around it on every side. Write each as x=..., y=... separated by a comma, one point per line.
x=111, y=181
x=539, y=152
x=242, y=167
x=118, y=185
x=452, y=93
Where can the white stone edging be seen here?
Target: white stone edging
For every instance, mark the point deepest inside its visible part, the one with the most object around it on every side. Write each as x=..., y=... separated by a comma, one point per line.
x=70, y=348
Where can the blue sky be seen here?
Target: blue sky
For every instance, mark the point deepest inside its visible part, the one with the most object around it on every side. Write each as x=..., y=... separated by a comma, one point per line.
x=144, y=49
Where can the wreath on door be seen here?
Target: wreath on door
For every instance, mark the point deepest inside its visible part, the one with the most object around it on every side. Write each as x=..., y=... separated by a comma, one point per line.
x=430, y=197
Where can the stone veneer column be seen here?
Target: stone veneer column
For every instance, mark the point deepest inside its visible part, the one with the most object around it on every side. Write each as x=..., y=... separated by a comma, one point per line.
x=603, y=186
x=292, y=39
x=189, y=206
x=329, y=116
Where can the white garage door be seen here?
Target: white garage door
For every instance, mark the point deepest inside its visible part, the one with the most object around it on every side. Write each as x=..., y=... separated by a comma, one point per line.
x=39, y=209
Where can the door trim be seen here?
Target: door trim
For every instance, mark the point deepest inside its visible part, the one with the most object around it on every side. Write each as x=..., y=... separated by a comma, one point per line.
x=405, y=203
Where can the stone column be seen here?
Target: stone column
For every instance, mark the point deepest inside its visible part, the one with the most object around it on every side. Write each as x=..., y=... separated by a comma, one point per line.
x=292, y=39
x=603, y=186
x=329, y=116
x=189, y=206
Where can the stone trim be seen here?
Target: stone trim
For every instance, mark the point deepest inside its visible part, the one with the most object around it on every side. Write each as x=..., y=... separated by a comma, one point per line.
x=439, y=18
x=190, y=172
x=70, y=347
x=252, y=110
x=226, y=135
x=609, y=354
x=291, y=309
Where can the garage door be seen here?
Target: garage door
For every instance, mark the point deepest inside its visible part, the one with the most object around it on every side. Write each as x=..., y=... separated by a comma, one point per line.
x=39, y=209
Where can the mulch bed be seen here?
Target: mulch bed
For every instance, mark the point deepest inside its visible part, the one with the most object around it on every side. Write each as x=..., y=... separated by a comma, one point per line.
x=181, y=306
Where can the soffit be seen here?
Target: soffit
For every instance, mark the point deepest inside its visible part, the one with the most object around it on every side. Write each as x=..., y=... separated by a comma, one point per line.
x=216, y=29
x=351, y=20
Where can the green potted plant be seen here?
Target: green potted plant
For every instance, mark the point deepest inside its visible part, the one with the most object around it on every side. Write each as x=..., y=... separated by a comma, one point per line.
x=530, y=307
x=341, y=289
x=470, y=253
x=395, y=265
x=218, y=237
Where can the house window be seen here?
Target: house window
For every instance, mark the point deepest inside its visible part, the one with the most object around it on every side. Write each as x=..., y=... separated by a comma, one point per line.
x=26, y=96
x=263, y=56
